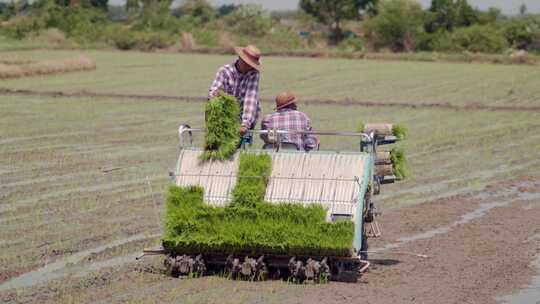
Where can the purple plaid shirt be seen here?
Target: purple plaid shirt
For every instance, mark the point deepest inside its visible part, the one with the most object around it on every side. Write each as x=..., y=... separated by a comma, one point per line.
x=291, y=120
x=245, y=87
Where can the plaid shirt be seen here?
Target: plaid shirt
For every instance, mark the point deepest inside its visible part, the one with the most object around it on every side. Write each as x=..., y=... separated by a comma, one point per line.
x=245, y=87
x=290, y=120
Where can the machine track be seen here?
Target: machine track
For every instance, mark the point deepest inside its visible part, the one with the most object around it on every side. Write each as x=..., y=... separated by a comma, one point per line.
x=297, y=269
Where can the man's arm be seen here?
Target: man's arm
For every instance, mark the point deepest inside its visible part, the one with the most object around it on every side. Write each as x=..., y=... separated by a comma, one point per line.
x=251, y=101
x=217, y=84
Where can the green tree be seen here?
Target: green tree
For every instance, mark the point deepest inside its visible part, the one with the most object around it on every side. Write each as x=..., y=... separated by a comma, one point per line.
x=447, y=15
x=332, y=13
x=226, y=9
x=100, y=4
x=442, y=16
x=81, y=22
x=476, y=38
x=521, y=32
x=491, y=16
x=398, y=26
x=465, y=15
x=523, y=9
x=132, y=6
x=7, y=10
x=250, y=19
x=154, y=15
x=144, y=4
x=199, y=9
x=369, y=6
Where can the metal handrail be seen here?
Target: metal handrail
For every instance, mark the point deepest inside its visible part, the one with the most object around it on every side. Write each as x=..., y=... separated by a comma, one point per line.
x=187, y=129
x=355, y=179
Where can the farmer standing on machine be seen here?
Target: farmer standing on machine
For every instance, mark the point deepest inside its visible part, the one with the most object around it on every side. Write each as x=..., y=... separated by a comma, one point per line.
x=241, y=80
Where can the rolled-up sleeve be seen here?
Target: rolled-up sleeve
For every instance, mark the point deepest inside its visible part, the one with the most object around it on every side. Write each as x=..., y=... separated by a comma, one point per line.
x=218, y=82
x=251, y=101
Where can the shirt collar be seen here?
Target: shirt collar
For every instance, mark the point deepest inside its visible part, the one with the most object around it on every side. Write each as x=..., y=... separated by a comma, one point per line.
x=235, y=69
x=286, y=109
x=233, y=65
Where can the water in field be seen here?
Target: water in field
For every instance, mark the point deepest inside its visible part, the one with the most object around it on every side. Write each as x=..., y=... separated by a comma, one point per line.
x=466, y=218
x=530, y=294
x=67, y=266
x=502, y=198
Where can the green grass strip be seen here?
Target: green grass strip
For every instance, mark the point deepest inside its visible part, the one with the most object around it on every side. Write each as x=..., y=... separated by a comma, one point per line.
x=399, y=163
x=222, y=127
x=253, y=173
x=399, y=131
x=249, y=225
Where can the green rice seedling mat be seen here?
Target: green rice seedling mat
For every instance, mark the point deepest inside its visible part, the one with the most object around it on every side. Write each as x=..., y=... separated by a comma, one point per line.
x=248, y=225
x=222, y=135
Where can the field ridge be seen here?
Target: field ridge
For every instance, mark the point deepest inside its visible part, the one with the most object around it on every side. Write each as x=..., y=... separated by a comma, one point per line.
x=471, y=106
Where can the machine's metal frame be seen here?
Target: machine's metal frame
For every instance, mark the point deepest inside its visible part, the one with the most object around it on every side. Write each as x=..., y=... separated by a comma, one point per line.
x=366, y=140
x=346, y=267
x=368, y=143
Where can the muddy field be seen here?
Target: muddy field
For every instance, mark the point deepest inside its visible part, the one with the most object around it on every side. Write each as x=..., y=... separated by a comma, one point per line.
x=83, y=174
x=475, y=248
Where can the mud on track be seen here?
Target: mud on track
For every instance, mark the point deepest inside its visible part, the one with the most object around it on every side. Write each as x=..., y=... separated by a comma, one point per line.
x=471, y=106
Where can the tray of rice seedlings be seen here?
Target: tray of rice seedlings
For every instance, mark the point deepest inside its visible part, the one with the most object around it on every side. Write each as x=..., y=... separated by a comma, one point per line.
x=222, y=135
x=399, y=163
x=281, y=229
x=248, y=227
x=384, y=129
x=392, y=162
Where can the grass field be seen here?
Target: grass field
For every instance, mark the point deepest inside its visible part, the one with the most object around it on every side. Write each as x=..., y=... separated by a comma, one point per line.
x=336, y=79
x=78, y=174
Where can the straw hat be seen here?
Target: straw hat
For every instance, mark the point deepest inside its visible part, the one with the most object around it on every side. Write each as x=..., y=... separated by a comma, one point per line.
x=285, y=99
x=251, y=55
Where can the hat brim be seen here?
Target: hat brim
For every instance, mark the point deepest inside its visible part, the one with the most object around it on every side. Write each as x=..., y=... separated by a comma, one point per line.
x=246, y=59
x=286, y=104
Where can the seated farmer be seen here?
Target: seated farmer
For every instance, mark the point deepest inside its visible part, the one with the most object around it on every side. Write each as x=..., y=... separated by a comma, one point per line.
x=287, y=118
x=241, y=80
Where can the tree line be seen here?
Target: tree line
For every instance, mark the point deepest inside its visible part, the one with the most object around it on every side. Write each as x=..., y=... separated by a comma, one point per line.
x=356, y=25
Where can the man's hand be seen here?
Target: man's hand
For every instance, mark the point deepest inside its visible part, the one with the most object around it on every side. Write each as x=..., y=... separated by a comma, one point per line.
x=243, y=130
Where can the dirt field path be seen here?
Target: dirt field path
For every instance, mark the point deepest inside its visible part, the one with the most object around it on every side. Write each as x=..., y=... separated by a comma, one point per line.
x=480, y=247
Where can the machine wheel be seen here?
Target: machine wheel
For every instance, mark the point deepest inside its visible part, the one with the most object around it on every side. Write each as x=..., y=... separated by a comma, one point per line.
x=302, y=269
x=185, y=265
